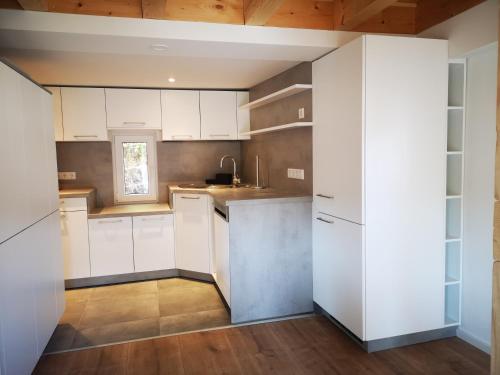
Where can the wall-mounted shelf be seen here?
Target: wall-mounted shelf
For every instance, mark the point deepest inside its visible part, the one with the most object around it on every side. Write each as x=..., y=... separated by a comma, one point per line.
x=288, y=91
x=455, y=107
x=279, y=128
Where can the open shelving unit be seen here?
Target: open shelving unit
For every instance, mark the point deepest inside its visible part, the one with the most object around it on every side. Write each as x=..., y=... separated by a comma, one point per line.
x=278, y=95
x=454, y=191
x=279, y=127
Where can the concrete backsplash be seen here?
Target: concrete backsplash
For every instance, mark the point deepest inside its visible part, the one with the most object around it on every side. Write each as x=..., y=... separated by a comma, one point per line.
x=285, y=149
x=177, y=161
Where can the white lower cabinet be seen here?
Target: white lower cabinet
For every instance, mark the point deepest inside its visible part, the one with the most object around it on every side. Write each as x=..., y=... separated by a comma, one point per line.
x=338, y=270
x=192, y=232
x=75, y=243
x=153, y=242
x=111, y=246
x=221, y=250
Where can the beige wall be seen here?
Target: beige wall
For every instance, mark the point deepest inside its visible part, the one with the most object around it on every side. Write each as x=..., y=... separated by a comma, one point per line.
x=285, y=149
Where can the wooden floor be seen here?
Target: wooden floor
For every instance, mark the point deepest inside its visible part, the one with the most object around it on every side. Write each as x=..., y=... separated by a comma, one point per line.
x=300, y=346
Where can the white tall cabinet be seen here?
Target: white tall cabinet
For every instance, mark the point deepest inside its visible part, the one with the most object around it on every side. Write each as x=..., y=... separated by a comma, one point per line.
x=379, y=107
x=31, y=270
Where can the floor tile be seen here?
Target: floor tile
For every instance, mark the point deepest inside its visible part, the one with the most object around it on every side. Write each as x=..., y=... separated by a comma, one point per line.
x=124, y=290
x=194, y=321
x=178, y=282
x=62, y=338
x=186, y=300
x=117, y=332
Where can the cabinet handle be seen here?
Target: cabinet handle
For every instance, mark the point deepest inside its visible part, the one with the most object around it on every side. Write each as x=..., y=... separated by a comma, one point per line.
x=109, y=221
x=182, y=136
x=219, y=135
x=324, y=220
x=152, y=219
x=325, y=196
x=134, y=123
x=85, y=136
x=190, y=197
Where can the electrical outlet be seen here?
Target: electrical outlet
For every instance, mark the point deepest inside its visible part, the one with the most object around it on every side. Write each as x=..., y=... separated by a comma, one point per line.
x=297, y=174
x=301, y=113
x=67, y=175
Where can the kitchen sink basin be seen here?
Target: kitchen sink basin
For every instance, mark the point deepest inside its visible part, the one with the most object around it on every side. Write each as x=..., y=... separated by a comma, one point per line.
x=214, y=187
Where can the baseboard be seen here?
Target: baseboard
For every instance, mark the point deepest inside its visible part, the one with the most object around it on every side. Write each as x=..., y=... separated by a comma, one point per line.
x=136, y=276
x=474, y=340
x=390, y=342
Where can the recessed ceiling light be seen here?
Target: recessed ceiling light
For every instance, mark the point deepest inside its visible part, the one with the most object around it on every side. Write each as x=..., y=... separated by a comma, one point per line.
x=171, y=80
x=159, y=47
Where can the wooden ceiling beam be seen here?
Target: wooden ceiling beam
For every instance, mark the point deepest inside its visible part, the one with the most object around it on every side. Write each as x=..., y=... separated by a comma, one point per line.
x=349, y=14
x=154, y=9
x=258, y=12
x=39, y=5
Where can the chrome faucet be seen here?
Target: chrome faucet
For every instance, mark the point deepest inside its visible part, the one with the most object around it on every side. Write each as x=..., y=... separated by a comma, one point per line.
x=236, y=179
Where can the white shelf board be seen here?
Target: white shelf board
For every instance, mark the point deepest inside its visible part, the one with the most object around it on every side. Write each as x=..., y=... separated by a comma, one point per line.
x=453, y=196
x=449, y=322
x=278, y=128
x=450, y=280
x=288, y=91
x=454, y=152
x=455, y=107
x=453, y=239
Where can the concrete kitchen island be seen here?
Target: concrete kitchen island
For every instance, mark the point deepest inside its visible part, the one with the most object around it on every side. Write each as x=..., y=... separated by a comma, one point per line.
x=261, y=250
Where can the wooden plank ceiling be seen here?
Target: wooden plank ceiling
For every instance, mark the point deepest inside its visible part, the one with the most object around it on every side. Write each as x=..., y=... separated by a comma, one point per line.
x=382, y=16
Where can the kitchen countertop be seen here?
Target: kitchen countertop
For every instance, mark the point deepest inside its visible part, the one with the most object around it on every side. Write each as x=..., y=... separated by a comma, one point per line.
x=131, y=210
x=244, y=195
x=76, y=193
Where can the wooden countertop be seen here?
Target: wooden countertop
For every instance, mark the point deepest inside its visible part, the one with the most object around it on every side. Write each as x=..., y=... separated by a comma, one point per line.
x=76, y=193
x=131, y=210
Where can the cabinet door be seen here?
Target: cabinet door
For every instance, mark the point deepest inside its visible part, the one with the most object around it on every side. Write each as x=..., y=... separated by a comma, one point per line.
x=338, y=270
x=57, y=113
x=180, y=115
x=75, y=242
x=153, y=242
x=218, y=115
x=111, y=246
x=84, y=114
x=221, y=249
x=243, y=115
x=133, y=108
x=338, y=132
x=192, y=250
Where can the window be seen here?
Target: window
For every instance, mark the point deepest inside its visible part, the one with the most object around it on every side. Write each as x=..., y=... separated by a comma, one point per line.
x=135, y=168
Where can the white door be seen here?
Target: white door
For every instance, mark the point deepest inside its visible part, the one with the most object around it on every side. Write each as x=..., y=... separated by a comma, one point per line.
x=338, y=132
x=75, y=243
x=111, y=246
x=221, y=249
x=154, y=242
x=57, y=111
x=84, y=114
x=218, y=115
x=243, y=115
x=180, y=115
x=133, y=108
x=192, y=250
x=338, y=270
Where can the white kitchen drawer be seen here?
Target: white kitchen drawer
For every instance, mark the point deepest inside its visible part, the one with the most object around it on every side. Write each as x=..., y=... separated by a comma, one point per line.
x=111, y=246
x=72, y=204
x=153, y=242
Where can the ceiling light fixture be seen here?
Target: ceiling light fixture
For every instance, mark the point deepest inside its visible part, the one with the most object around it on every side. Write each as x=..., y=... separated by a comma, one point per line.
x=159, y=47
x=171, y=80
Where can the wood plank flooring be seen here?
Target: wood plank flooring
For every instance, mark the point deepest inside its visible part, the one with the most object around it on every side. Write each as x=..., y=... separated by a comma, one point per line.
x=299, y=346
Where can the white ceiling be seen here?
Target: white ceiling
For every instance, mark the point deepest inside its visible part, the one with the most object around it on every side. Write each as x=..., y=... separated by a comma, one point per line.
x=106, y=51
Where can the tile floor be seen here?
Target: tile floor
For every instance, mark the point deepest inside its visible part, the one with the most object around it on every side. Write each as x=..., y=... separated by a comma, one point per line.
x=109, y=314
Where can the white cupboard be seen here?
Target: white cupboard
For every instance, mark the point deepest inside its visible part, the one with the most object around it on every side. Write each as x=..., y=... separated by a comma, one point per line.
x=379, y=142
x=180, y=115
x=111, y=246
x=75, y=244
x=133, y=108
x=153, y=242
x=57, y=111
x=218, y=115
x=221, y=252
x=84, y=114
x=242, y=115
x=192, y=232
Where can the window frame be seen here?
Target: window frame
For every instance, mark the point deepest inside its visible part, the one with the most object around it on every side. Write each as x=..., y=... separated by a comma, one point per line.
x=118, y=167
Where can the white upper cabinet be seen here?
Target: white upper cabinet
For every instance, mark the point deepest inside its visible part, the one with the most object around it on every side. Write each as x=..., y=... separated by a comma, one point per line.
x=218, y=115
x=180, y=115
x=84, y=114
x=57, y=113
x=242, y=115
x=133, y=108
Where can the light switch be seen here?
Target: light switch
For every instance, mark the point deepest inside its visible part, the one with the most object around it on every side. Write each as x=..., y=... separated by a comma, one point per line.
x=297, y=174
x=301, y=113
x=66, y=175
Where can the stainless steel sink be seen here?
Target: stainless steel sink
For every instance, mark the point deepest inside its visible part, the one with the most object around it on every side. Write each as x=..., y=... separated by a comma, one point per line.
x=215, y=187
